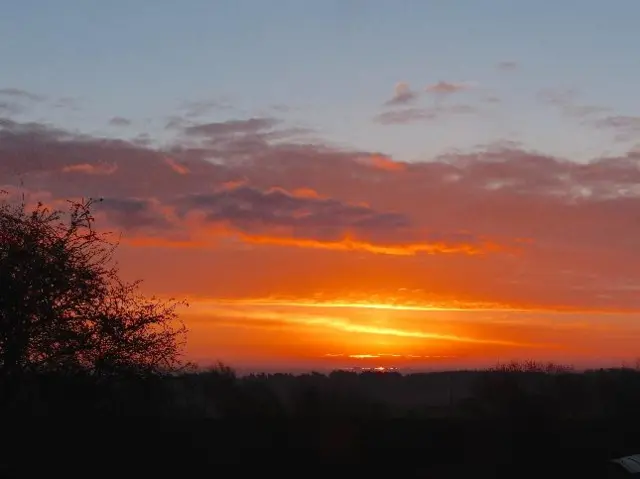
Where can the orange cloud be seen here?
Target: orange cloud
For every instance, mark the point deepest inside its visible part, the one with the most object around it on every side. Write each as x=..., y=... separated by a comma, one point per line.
x=402, y=94
x=305, y=193
x=91, y=169
x=297, y=192
x=349, y=244
x=445, y=87
x=209, y=237
x=278, y=217
x=178, y=168
x=232, y=185
x=383, y=163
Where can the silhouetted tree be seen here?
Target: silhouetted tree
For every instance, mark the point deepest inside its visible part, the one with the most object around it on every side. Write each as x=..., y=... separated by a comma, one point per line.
x=63, y=307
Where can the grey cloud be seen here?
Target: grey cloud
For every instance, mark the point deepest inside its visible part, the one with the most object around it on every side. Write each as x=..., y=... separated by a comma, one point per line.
x=402, y=95
x=566, y=100
x=119, y=121
x=68, y=103
x=252, y=125
x=196, y=109
x=239, y=140
x=507, y=65
x=413, y=115
x=126, y=205
x=20, y=94
x=400, y=117
x=11, y=108
x=249, y=208
x=445, y=87
x=133, y=214
x=41, y=154
x=176, y=122
x=627, y=128
x=16, y=136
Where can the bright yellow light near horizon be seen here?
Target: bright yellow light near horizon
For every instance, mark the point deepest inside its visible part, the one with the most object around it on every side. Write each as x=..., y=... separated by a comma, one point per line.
x=391, y=305
x=373, y=333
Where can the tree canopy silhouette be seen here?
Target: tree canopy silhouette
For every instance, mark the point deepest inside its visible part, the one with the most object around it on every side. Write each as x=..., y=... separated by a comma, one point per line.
x=63, y=306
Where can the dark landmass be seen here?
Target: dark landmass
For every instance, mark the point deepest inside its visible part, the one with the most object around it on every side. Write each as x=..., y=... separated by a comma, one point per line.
x=520, y=420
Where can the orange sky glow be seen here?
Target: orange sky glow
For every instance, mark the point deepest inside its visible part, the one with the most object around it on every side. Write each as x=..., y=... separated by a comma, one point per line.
x=274, y=307
x=358, y=334
x=295, y=253
x=268, y=300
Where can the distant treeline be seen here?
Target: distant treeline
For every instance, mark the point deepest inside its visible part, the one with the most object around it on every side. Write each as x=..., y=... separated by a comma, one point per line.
x=515, y=390
x=546, y=419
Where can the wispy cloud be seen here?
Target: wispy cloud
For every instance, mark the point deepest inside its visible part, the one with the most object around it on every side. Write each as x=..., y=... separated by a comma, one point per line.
x=177, y=167
x=446, y=87
x=408, y=115
x=90, y=169
x=252, y=125
x=119, y=121
x=11, y=108
x=507, y=65
x=198, y=109
x=18, y=93
x=402, y=95
x=67, y=103
x=414, y=115
x=566, y=100
x=626, y=128
x=382, y=162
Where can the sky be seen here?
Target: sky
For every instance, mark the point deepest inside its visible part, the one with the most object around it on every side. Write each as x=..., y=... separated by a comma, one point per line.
x=347, y=183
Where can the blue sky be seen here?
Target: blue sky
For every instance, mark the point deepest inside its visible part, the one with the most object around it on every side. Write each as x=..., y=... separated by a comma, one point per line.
x=334, y=63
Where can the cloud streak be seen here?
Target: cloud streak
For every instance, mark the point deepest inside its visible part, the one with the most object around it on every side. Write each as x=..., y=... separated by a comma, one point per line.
x=119, y=121
x=402, y=95
x=447, y=88
x=20, y=94
x=507, y=65
x=415, y=114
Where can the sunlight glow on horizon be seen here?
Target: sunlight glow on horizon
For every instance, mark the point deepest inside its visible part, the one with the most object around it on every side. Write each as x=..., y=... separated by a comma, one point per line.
x=395, y=304
x=322, y=332
x=356, y=327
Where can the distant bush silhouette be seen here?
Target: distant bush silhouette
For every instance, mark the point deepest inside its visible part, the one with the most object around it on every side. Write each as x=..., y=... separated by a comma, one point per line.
x=531, y=366
x=64, y=309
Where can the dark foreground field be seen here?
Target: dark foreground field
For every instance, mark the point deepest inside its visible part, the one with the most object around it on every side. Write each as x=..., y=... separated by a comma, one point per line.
x=441, y=448
x=518, y=421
